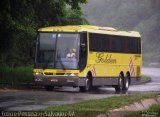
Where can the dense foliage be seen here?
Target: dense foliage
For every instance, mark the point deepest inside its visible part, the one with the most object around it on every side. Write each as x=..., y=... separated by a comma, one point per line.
x=20, y=19
x=139, y=15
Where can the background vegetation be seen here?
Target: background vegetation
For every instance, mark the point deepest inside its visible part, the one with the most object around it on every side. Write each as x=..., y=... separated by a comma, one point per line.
x=20, y=19
x=139, y=15
x=15, y=76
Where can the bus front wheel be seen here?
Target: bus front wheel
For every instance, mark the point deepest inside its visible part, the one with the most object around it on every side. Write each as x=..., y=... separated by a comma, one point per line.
x=87, y=87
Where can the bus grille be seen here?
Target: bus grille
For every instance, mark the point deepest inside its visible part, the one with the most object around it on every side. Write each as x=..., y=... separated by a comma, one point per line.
x=50, y=73
x=60, y=73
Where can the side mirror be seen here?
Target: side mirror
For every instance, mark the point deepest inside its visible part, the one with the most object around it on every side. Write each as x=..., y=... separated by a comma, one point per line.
x=83, y=47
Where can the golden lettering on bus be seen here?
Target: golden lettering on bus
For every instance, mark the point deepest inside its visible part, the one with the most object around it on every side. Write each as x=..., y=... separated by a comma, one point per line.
x=105, y=58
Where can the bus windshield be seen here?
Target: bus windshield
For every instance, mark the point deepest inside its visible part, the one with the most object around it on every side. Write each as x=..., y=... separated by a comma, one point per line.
x=57, y=50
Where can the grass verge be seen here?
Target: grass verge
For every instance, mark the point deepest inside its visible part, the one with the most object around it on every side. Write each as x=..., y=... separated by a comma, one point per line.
x=93, y=107
x=16, y=75
x=145, y=78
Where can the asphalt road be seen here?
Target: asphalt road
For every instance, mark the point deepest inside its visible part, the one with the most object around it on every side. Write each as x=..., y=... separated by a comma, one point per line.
x=17, y=100
x=152, y=86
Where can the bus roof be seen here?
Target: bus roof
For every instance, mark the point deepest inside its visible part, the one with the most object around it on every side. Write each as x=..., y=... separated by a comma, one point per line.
x=89, y=28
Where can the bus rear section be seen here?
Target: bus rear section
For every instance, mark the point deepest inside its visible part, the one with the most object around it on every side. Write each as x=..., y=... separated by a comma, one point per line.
x=115, y=58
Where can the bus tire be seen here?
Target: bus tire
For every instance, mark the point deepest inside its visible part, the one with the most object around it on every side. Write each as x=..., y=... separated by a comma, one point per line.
x=88, y=85
x=126, y=83
x=118, y=88
x=49, y=88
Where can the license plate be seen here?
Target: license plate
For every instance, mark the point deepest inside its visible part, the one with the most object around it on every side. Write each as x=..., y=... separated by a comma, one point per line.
x=54, y=80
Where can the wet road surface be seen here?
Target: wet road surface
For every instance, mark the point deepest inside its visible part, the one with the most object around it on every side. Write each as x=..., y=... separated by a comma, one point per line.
x=152, y=86
x=17, y=100
x=33, y=100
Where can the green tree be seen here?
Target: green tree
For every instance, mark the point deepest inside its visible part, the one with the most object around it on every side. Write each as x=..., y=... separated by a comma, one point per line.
x=20, y=19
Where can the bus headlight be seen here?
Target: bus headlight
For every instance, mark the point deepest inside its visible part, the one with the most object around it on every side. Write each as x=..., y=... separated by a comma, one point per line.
x=72, y=74
x=37, y=73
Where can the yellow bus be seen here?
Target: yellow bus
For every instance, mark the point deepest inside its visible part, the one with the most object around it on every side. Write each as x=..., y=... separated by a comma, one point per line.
x=87, y=56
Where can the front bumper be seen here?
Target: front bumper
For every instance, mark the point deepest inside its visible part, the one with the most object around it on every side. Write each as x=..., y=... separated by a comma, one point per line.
x=60, y=80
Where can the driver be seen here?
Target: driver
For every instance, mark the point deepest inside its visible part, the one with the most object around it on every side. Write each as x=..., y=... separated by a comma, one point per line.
x=72, y=53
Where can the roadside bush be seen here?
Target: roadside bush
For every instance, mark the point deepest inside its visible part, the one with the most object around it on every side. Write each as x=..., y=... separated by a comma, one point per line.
x=16, y=75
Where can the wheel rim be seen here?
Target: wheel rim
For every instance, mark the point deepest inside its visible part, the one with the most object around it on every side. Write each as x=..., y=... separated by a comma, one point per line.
x=127, y=83
x=87, y=84
x=120, y=82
